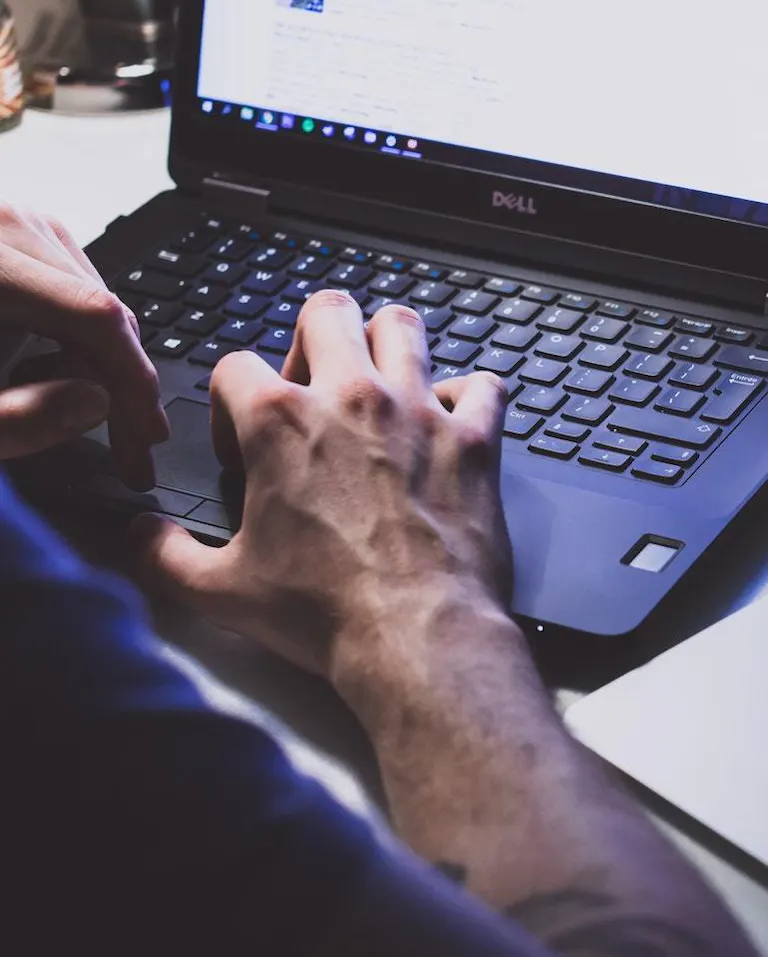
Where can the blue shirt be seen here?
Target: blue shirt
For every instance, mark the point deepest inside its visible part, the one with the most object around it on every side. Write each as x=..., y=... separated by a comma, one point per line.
x=134, y=819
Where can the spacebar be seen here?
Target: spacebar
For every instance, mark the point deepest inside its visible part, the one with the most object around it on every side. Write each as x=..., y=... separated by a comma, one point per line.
x=667, y=428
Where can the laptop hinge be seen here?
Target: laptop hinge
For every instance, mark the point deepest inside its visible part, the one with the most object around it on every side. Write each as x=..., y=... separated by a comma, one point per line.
x=245, y=203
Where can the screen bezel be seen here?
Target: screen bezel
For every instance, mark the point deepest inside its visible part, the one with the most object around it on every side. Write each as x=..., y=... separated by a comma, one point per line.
x=212, y=145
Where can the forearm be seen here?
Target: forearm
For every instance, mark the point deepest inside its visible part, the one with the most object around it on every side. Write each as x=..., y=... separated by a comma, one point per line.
x=484, y=780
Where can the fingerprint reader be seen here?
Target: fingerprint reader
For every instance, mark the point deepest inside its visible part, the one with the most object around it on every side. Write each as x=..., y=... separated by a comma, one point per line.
x=652, y=554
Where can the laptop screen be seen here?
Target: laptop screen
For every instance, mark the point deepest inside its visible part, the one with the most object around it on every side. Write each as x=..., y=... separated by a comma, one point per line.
x=658, y=102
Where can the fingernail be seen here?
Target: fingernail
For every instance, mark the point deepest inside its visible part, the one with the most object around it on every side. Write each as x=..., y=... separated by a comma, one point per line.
x=84, y=406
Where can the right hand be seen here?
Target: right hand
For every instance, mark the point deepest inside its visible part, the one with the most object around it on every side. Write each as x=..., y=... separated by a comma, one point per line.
x=363, y=490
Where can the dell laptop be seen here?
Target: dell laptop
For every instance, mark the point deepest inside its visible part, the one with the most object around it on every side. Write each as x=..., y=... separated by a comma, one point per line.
x=574, y=200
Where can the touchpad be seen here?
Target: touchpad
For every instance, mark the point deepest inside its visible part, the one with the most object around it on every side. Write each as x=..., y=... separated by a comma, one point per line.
x=187, y=462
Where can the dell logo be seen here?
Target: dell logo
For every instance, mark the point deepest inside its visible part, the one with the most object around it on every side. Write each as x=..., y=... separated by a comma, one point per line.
x=515, y=203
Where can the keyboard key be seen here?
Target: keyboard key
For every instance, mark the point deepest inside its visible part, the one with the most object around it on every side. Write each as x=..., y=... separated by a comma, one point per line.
x=271, y=258
x=475, y=303
x=426, y=271
x=392, y=284
x=300, y=290
x=554, y=448
x=515, y=337
x=247, y=232
x=572, y=431
x=156, y=285
x=604, y=459
x=589, y=410
x=175, y=263
x=227, y=274
x=628, y=444
x=559, y=347
x=648, y=339
x=457, y=353
x=264, y=282
x=517, y=311
x=521, y=425
x=733, y=334
x=475, y=328
x=435, y=320
x=432, y=294
x=657, y=471
x=653, y=317
x=693, y=376
x=745, y=360
x=544, y=371
x=393, y=263
x=232, y=250
x=648, y=366
x=540, y=294
x=673, y=455
x=309, y=267
x=536, y=399
x=562, y=320
x=195, y=240
x=246, y=306
x=465, y=280
x=617, y=310
x=276, y=340
x=601, y=356
x=200, y=323
x=282, y=314
x=320, y=248
x=694, y=327
x=501, y=361
x=204, y=385
x=449, y=372
x=669, y=428
x=731, y=397
x=355, y=256
x=160, y=314
x=171, y=347
x=209, y=353
x=604, y=329
x=680, y=402
x=503, y=287
x=207, y=296
x=574, y=300
x=695, y=348
x=241, y=331
x=351, y=276
x=633, y=391
x=285, y=240
x=589, y=381
x=379, y=302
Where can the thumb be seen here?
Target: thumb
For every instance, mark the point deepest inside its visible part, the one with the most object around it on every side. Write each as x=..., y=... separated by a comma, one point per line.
x=36, y=416
x=174, y=563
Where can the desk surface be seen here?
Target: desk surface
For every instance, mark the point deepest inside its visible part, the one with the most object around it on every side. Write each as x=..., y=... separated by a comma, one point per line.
x=89, y=171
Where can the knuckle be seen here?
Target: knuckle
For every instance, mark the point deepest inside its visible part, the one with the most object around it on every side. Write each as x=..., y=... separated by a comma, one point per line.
x=102, y=305
x=494, y=382
x=365, y=394
x=430, y=419
x=475, y=444
x=11, y=214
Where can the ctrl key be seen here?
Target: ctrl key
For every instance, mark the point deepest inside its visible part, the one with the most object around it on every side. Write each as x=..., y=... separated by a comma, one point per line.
x=521, y=425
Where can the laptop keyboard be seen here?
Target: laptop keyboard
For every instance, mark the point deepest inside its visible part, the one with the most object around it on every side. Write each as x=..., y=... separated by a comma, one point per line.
x=621, y=387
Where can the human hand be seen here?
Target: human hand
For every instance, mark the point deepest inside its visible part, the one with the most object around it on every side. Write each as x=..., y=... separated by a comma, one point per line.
x=361, y=489
x=50, y=288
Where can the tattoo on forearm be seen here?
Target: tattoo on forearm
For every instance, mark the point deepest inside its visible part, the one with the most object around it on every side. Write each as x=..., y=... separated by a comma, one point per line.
x=577, y=922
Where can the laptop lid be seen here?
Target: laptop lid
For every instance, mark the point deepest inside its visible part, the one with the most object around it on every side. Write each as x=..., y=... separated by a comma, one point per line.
x=637, y=132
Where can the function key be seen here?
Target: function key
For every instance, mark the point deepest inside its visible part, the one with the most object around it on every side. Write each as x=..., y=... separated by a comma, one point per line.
x=358, y=257
x=540, y=294
x=652, y=317
x=503, y=287
x=658, y=472
x=467, y=280
x=393, y=263
x=427, y=271
x=574, y=300
x=248, y=233
x=319, y=248
x=695, y=327
x=554, y=448
x=286, y=241
x=214, y=225
x=733, y=334
x=617, y=310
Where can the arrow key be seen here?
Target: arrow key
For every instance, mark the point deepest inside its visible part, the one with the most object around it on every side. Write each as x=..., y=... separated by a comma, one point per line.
x=734, y=357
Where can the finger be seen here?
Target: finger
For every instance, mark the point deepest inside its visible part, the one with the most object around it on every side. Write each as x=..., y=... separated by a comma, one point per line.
x=478, y=401
x=37, y=416
x=132, y=456
x=177, y=565
x=399, y=349
x=81, y=313
x=330, y=342
x=68, y=242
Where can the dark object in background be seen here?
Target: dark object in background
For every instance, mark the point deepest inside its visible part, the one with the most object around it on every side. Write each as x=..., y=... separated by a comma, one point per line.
x=11, y=85
x=107, y=56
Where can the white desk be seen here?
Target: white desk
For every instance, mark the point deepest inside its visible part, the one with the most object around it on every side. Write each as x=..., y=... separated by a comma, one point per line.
x=87, y=172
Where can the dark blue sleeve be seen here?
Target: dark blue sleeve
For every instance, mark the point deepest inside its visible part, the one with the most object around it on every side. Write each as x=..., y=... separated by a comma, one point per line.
x=134, y=819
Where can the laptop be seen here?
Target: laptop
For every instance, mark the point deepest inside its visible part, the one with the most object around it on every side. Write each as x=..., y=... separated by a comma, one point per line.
x=561, y=205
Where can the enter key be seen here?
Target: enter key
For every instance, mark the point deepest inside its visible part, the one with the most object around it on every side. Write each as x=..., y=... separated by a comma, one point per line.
x=731, y=397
